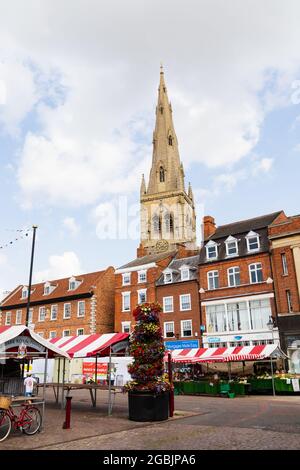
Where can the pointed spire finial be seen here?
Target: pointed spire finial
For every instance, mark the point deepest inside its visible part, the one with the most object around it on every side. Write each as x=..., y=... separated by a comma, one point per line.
x=161, y=68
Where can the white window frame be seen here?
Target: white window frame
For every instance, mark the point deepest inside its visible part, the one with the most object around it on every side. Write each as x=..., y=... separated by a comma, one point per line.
x=289, y=300
x=24, y=292
x=78, y=309
x=142, y=273
x=41, y=333
x=285, y=269
x=79, y=329
x=250, y=271
x=30, y=316
x=50, y=334
x=47, y=288
x=181, y=328
x=170, y=280
x=40, y=311
x=248, y=237
x=65, y=317
x=126, y=276
x=180, y=302
x=19, y=315
x=51, y=314
x=124, y=294
x=211, y=244
x=229, y=241
x=139, y=292
x=210, y=275
x=164, y=304
x=165, y=330
x=66, y=336
x=182, y=271
x=234, y=274
x=7, y=318
x=126, y=324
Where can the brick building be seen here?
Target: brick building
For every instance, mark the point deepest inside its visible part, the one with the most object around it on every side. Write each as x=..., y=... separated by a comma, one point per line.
x=236, y=282
x=284, y=236
x=77, y=305
x=177, y=290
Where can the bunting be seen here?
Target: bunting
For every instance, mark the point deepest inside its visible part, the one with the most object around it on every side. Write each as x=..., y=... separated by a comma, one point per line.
x=22, y=233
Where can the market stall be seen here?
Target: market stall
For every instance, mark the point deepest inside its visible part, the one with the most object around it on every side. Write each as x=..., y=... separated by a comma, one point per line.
x=19, y=346
x=95, y=346
x=244, y=384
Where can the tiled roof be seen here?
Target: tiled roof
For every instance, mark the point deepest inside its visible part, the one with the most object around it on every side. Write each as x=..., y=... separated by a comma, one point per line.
x=176, y=264
x=61, y=289
x=239, y=230
x=243, y=226
x=148, y=259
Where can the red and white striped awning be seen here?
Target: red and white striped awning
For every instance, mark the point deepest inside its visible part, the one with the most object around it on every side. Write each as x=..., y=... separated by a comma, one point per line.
x=91, y=345
x=10, y=335
x=238, y=353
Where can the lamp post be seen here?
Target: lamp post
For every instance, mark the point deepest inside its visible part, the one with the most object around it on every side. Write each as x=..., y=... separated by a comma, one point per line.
x=270, y=325
x=30, y=275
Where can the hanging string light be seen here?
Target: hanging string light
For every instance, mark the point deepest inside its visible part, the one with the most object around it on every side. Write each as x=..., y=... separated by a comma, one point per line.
x=23, y=234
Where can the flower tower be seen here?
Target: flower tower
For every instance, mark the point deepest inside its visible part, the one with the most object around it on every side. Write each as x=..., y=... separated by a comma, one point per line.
x=147, y=370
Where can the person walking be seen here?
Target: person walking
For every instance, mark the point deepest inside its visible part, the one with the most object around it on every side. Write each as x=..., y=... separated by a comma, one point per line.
x=29, y=383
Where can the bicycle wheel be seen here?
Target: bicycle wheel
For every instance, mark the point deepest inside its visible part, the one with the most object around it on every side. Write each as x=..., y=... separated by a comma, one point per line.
x=32, y=420
x=5, y=425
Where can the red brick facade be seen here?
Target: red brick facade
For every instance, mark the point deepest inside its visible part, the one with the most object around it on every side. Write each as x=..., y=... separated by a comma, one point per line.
x=89, y=307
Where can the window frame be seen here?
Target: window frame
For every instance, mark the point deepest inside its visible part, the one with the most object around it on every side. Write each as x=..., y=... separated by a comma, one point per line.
x=51, y=312
x=168, y=273
x=50, y=336
x=208, y=275
x=79, y=329
x=64, y=315
x=164, y=304
x=250, y=271
x=184, y=270
x=142, y=272
x=180, y=302
x=249, y=236
x=230, y=241
x=123, y=278
x=288, y=295
x=123, y=296
x=78, y=309
x=40, y=310
x=66, y=336
x=182, y=331
x=8, y=315
x=234, y=274
x=139, y=292
x=124, y=325
x=165, y=331
x=284, y=263
x=209, y=245
x=19, y=313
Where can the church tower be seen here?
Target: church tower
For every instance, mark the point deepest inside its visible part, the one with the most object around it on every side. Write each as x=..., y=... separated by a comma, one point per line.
x=167, y=212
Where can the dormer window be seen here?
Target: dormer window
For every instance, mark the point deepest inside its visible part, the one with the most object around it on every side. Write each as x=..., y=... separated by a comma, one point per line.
x=24, y=292
x=46, y=289
x=168, y=277
x=185, y=273
x=252, y=240
x=211, y=250
x=73, y=283
x=231, y=246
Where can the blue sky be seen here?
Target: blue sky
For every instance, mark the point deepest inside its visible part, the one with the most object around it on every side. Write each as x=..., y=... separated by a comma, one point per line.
x=78, y=89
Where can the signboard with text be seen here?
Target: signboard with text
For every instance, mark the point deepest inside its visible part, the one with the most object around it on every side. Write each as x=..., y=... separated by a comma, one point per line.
x=183, y=344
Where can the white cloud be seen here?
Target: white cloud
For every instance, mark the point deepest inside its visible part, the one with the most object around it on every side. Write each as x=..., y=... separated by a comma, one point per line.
x=60, y=266
x=71, y=225
x=18, y=94
x=263, y=166
x=227, y=65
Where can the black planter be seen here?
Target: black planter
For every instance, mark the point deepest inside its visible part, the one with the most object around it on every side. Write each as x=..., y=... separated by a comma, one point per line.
x=146, y=406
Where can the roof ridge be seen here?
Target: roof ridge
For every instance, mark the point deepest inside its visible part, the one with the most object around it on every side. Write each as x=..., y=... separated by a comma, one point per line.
x=251, y=218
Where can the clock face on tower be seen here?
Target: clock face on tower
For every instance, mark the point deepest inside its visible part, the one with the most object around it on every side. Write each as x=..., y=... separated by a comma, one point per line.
x=162, y=245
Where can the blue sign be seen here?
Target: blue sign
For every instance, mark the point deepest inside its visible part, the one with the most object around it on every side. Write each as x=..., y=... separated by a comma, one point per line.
x=237, y=337
x=213, y=340
x=193, y=343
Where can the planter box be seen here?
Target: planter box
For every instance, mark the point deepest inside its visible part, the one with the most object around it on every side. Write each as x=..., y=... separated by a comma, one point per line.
x=146, y=406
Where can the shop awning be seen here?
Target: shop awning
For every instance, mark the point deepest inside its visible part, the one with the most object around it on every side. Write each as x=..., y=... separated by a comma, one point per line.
x=92, y=345
x=239, y=353
x=12, y=337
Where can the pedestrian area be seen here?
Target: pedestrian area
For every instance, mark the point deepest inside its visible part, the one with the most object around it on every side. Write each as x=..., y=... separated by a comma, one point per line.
x=253, y=422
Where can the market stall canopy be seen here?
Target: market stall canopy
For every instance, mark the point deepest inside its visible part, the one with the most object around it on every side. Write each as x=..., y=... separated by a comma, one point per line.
x=92, y=345
x=238, y=353
x=22, y=340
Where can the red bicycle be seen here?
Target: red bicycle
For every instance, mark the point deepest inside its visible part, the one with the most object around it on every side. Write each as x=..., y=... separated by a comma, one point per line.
x=28, y=421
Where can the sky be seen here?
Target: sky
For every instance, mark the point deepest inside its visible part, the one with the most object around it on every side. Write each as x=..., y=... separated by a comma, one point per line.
x=78, y=90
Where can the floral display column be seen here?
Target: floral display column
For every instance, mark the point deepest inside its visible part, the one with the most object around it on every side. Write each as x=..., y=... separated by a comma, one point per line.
x=148, y=392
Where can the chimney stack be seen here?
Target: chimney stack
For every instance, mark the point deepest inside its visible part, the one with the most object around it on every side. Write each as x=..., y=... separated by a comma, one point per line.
x=209, y=226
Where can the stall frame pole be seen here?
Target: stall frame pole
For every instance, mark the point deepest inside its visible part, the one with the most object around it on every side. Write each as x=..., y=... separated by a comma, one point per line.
x=109, y=384
x=171, y=394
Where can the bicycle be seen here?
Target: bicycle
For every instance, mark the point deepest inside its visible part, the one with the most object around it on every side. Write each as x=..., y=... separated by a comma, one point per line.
x=28, y=421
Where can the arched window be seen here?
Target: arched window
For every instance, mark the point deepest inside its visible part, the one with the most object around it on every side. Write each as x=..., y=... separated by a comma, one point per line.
x=161, y=109
x=156, y=223
x=169, y=224
x=170, y=140
x=161, y=174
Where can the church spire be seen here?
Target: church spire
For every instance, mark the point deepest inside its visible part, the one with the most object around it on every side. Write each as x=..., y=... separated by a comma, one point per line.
x=165, y=159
